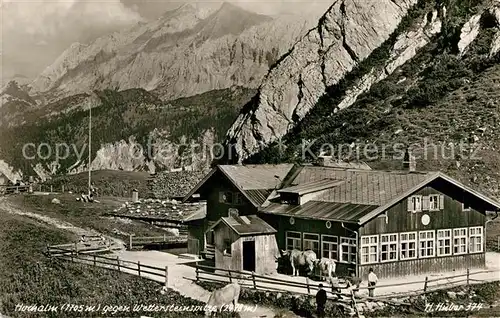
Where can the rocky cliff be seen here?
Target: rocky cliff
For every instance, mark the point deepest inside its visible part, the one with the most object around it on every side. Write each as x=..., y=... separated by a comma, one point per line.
x=345, y=35
x=184, y=53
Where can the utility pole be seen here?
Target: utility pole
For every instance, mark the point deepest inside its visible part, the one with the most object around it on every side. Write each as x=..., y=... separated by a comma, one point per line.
x=90, y=147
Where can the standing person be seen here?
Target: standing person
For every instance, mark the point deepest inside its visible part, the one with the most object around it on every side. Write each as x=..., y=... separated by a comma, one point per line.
x=372, y=281
x=321, y=301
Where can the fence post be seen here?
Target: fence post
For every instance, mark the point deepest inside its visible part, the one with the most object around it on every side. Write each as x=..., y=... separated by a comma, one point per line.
x=118, y=262
x=253, y=280
x=48, y=251
x=76, y=248
x=229, y=275
x=130, y=242
x=164, y=237
x=62, y=188
x=468, y=282
x=95, y=263
x=425, y=284
x=139, y=268
x=166, y=276
x=308, y=287
x=51, y=189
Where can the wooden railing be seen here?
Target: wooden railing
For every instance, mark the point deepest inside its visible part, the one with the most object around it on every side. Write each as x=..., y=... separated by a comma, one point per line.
x=150, y=240
x=14, y=189
x=254, y=281
x=114, y=263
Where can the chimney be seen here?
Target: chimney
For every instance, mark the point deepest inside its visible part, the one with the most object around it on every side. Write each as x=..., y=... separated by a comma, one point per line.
x=409, y=162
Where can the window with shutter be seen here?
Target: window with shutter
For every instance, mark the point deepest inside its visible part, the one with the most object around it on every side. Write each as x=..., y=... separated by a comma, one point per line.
x=441, y=202
x=434, y=204
x=425, y=203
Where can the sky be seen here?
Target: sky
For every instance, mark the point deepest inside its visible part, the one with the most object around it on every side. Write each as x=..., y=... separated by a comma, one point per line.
x=35, y=32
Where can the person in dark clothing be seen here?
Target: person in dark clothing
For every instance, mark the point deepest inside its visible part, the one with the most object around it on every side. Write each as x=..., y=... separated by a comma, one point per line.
x=321, y=301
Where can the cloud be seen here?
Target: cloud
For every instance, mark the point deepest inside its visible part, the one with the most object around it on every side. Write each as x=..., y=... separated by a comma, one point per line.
x=57, y=23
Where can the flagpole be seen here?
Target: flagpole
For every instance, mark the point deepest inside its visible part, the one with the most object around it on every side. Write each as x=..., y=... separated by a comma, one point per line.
x=90, y=145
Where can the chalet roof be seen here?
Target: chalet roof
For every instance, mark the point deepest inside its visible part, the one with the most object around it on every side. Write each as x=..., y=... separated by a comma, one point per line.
x=314, y=186
x=317, y=210
x=257, y=197
x=246, y=225
x=256, y=182
x=256, y=177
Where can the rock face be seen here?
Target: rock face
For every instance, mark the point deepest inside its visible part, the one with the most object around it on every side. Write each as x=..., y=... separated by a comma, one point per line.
x=347, y=34
x=186, y=52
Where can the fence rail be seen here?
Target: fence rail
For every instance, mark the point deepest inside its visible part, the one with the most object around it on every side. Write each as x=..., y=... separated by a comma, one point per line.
x=254, y=281
x=89, y=257
x=14, y=189
x=149, y=240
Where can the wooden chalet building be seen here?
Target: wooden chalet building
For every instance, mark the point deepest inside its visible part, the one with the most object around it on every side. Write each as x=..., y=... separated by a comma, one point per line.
x=396, y=222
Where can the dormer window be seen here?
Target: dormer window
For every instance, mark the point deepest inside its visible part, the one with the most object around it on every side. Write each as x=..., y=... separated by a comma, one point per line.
x=289, y=198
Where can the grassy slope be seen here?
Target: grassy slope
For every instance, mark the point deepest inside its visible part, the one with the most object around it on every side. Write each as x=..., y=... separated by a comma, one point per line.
x=109, y=183
x=28, y=277
x=133, y=112
x=436, y=96
x=87, y=215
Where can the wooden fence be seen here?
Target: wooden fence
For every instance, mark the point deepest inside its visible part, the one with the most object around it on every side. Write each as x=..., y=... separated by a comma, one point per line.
x=14, y=189
x=159, y=240
x=114, y=263
x=254, y=281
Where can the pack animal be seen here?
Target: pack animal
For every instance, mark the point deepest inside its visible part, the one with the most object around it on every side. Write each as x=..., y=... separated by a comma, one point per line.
x=325, y=268
x=300, y=259
x=223, y=297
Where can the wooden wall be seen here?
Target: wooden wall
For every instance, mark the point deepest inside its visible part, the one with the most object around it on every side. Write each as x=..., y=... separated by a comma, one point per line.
x=266, y=249
x=425, y=265
x=234, y=261
x=400, y=220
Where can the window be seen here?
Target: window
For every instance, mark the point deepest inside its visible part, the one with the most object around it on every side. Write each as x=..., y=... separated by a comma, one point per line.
x=459, y=241
x=476, y=239
x=227, y=247
x=408, y=245
x=330, y=247
x=311, y=242
x=210, y=237
x=388, y=247
x=369, y=249
x=348, y=250
x=293, y=241
x=237, y=198
x=466, y=207
x=415, y=203
x=229, y=197
x=434, y=202
x=426, y=241
x=443, y=242
x=225, y=197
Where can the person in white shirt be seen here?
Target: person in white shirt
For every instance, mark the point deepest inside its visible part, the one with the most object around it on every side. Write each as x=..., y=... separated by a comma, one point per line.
x=372, y=281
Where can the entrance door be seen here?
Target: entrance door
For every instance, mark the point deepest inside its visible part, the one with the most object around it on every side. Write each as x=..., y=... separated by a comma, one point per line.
x=249, y=256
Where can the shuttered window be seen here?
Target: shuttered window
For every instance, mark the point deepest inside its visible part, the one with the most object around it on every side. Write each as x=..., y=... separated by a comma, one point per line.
x=434, y=204
x=408, y=245
x=426, y=244
x=459, y=241
x=415, y=203
x=476, y=239
x=293, y=241
x=443, y=242
x=388, y=247
x=329, y=247
x=369, y=249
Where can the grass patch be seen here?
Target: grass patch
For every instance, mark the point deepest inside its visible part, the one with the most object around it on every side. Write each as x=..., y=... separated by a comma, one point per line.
x=30, y=278
x=87, y=215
